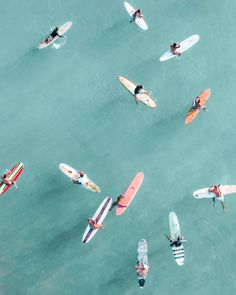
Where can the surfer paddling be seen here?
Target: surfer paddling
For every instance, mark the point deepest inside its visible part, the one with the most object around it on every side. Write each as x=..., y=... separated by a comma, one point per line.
x=137, y=14
x=94, y=225
x=218, y=193
x=53, y=35
x=7, y=181
x=174, y=49
x=197, y=105
x=178, y=242
x=116, y=203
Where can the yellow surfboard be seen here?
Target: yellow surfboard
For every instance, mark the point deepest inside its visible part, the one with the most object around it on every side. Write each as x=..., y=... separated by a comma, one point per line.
x=145, y=98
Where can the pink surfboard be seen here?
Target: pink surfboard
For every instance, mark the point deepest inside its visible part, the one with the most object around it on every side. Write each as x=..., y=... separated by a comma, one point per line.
x=130, y=193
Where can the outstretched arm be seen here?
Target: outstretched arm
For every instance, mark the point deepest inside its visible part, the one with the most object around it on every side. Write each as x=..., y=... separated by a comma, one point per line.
x=168, y=238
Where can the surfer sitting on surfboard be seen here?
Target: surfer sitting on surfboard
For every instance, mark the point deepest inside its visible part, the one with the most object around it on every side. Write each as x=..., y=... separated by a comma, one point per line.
x=94, y=225
x=7, y=181
x=178, y=242
x=116, y=203
x=81, y=175
x=141, y=269
x=174, y=47
x=197, y=104
x=216, y=190
x=139, y=89
x=137, y=14
x=53, y=35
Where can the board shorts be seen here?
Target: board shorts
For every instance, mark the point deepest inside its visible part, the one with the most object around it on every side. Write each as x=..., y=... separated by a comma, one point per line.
x=220, y=198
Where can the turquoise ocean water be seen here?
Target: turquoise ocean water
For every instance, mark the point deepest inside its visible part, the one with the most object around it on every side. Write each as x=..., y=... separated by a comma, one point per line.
x=66, y=105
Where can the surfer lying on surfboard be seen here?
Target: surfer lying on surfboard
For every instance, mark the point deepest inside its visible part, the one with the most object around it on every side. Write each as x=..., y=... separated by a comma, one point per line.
x=174, y=47
x=53, y=35
x=137, y=14
x=7, y=181
x=216, y=190
x=178, y=242
x=92, y=223
x=141, y=269
x=197, y=104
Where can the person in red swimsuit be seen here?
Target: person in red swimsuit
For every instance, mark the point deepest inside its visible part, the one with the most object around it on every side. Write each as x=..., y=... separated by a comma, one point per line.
x=141, y=269
x=216, y=190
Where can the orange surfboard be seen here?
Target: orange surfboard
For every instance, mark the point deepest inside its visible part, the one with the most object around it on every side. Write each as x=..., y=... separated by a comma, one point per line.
x=192, y=113
x=130, y=193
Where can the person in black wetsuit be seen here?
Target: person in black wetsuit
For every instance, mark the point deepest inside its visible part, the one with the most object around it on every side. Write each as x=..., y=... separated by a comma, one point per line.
x=177, y=243
x=53, y=35
x=116, y=203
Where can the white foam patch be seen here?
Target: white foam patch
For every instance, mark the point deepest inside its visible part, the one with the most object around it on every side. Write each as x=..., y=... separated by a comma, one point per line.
x=61, y=42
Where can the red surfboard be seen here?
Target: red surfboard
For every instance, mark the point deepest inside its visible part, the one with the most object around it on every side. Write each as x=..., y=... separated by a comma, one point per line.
x=12, y=175
x=130, y=193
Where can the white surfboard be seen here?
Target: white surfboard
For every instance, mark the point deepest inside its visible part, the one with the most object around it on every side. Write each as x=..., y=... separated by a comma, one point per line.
x=99, y=216
x=145, y=98
x=62, y=30
x=174, y=233
x=139, y=20
x=73, y=175
x=204, y=194
x=142, y=257
x=184, y=45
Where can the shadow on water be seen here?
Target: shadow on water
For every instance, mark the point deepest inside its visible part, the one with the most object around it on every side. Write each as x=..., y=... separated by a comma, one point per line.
x=64, y=237
x=106, y=41
x=50, y=186
x=27, y=69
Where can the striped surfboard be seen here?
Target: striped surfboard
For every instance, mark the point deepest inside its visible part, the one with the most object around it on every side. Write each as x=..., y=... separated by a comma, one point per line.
x=178, y=252
x=12, y=175
x=99, y=216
